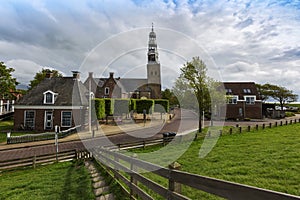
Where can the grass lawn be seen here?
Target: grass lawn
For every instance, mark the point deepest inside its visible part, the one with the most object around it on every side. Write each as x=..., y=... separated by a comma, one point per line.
x=8, y=125
x=267, y=158
x=68, y=180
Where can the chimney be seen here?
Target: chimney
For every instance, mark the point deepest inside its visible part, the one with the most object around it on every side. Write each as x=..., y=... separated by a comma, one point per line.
x=111, y=75
x=76, y=74
x=49, y=74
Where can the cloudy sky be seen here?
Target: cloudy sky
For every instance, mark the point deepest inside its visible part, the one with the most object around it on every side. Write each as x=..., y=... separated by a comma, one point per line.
x=240, y=40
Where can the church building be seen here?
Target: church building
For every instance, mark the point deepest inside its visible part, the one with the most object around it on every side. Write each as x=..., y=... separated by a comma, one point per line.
x=112, y=87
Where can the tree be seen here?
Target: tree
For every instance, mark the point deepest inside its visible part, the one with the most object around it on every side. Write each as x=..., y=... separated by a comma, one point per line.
x=169, y=95
x=7, y=82
x=40, y=76
x=194, y=74
x=279, y=93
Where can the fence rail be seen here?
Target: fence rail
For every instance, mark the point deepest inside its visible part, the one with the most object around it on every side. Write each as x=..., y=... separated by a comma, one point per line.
x=44, y=159
x=117, y=164
x=40, y=136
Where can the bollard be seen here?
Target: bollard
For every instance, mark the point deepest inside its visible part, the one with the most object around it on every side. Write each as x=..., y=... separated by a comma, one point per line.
x=249, y=128
x=256, y=127
x=270, y=125
x=275, y=124
x=230, y=131
x=240, y=129
x=263, y=126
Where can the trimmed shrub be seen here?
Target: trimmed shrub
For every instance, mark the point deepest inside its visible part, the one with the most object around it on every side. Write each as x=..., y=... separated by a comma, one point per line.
x=121, y=106
x=143, y=104
x=99, y=106
x=109, y=106
x=161, y=105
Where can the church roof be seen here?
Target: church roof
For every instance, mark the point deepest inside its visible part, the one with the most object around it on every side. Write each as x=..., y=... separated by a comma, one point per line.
x=131, y=84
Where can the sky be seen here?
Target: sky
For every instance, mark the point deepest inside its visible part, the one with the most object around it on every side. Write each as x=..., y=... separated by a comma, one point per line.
x=239, y=40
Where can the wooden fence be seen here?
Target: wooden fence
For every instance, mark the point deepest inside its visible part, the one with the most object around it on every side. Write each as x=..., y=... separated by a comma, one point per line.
x=126, y=169
x=256, y=127
x=44, y=159
x=40, y=136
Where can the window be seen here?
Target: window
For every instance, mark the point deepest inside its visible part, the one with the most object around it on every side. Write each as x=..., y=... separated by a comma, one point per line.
x=232, y=99
x=66, y=118
x=228, y=91
x=29, y=119
x=250, y=99
x=106, y=91
x=247, y=91
x=49, y=97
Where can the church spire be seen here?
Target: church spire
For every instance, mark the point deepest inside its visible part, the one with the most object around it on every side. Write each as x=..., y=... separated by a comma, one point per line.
x=152, y=47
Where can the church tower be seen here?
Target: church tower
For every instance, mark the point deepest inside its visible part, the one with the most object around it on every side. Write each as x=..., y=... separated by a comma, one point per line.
x=153, y=67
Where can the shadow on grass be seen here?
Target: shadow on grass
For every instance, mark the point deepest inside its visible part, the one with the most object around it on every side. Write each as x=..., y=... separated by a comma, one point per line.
x=77, y=184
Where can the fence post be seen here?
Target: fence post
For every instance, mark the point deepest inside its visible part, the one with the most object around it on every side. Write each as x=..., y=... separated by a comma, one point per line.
x=270, y=125
x=173, y=186
x=256, y=127
x=286, y=122
x=263, y=126
x=291, y=122
x=34, y=161
x=280, y=123
x=240, y=129
x=132, y=180
x=230, y=131
x=249, y=128
x=276, y=124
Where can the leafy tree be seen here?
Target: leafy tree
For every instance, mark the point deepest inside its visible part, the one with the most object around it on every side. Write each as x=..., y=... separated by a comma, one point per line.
x=169, y=95
x=7, y=82
x=279, y=93
x=40, y=76
x=194, y=78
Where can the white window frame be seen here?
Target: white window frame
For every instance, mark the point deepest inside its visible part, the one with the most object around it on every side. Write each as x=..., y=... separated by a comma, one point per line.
x=53, y=97
x=231, y=98
x=25, y=118
x=62, y=119
x=106, y=90
x=250, y=102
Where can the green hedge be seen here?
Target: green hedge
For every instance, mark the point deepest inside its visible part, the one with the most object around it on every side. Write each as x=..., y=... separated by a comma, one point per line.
x=121, y=106
x=109, y=106
x=144, y=104
x=99, y=105
x=104, y=107
x=161, y=105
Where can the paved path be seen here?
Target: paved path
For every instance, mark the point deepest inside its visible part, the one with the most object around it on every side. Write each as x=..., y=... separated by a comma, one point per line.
x=100, y=187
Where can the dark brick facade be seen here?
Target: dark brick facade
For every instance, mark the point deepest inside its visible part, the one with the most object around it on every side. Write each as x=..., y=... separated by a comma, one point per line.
x=39, y=123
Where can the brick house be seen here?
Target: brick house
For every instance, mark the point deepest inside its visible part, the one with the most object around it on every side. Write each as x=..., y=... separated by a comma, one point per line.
x=58, y=101
x=243, y=101
x=112, y=87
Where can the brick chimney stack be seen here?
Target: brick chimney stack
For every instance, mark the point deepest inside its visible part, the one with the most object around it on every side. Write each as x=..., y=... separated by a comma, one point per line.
x=76, y=74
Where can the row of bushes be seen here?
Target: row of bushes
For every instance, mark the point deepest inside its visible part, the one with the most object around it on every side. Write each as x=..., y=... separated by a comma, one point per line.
x=105, y=107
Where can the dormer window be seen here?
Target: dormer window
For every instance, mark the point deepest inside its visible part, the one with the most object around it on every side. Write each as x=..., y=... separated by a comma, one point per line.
x=49, y=97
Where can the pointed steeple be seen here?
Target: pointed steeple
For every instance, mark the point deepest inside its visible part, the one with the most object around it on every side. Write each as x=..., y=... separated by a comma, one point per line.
x=152, y=47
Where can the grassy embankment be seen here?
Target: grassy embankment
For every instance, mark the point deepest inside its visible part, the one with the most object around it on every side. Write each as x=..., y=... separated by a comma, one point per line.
x=267, y=158
x=68, y=180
